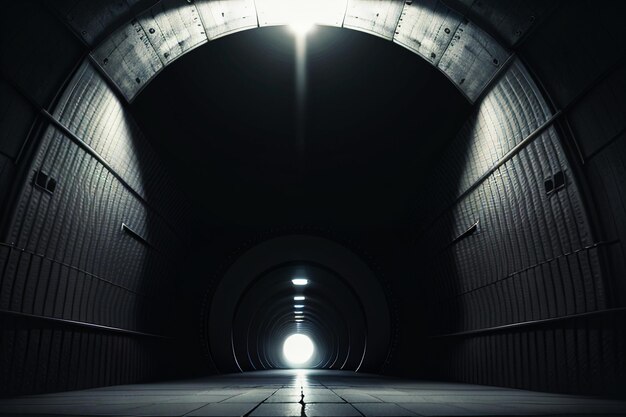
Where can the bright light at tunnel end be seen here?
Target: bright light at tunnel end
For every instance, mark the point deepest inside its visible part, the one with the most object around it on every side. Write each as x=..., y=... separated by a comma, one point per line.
x=299, y=281
x=298, y=349
x=301, y=27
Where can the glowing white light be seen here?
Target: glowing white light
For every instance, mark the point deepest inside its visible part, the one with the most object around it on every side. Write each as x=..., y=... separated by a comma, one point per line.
x=298, y=349
x=298, y=298
x=298, y=306
x=298, y=317
x=299, y=320
x=301, y=15
x=297, y=312
x=301, y=27
x=300, y=281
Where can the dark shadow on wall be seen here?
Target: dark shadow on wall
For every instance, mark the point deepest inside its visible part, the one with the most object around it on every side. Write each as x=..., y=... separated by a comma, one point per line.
x=93, y=230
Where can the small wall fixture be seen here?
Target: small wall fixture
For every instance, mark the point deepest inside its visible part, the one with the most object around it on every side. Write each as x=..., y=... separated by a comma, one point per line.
x=299, y=281
x=555, y=183
x=134, y=234
x=470, y=231
x=44, y=182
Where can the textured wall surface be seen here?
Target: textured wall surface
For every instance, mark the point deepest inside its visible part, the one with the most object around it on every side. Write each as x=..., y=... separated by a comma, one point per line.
x=527, y=298
x=84, y=302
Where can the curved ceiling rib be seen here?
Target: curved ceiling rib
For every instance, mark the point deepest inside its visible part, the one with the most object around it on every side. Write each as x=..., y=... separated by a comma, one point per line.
x=137, y=51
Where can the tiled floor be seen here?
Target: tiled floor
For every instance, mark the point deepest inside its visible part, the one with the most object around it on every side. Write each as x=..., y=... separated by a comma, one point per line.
x=306, y=393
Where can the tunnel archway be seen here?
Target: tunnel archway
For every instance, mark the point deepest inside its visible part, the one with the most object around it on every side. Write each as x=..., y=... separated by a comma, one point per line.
x=514, y=244
x=258, y=286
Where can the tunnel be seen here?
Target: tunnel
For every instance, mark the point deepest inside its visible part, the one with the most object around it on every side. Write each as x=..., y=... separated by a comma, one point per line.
x=312, y=207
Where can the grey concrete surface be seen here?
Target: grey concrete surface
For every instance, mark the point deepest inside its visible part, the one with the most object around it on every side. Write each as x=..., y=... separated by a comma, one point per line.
x=309, y=393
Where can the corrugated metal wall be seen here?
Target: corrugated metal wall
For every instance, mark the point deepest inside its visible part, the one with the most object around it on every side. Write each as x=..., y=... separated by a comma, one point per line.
x=526, y=298
x=83, y=301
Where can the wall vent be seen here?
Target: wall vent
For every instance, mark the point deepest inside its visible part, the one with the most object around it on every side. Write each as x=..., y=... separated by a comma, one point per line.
x=555, y=183
x=44, y=182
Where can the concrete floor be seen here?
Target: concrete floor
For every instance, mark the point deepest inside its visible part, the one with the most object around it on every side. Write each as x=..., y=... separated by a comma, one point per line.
x=326, y=393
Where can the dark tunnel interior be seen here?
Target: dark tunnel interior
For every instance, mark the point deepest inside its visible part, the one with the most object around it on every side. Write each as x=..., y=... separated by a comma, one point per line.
x=428, y=194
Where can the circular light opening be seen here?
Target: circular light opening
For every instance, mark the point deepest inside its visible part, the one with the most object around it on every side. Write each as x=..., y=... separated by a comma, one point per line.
x=298, y=349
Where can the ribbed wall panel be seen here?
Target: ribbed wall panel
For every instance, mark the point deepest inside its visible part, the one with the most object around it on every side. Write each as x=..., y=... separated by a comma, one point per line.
x=581, y=356
x=507, y=114
x=37, y=359
x=67, y=256
x=584, y=71
x=598, y=122
x=532, y=256
x=94, y=113
x=80, y=225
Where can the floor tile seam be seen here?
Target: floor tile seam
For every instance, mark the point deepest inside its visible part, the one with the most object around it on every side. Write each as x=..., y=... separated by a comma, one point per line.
x=351, y=405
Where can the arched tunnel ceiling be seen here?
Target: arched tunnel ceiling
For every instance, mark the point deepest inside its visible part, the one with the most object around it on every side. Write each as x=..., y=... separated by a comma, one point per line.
x=138, y=50
x=223, y=117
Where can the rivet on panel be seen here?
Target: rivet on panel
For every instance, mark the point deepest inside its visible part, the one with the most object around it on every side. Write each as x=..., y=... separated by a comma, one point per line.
x=151, y=30
x=166, y=54
x=496, y=62
x=433, y=55
x=138, y=80
x=447, y=30
x=462, y=81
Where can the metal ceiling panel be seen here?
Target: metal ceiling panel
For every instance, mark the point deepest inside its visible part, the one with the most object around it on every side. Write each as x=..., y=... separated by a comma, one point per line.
x=282, y=12
x=510, y=20
x=92, y=20
x=378, y=17
x=222, y=17
x=128, y=58
x=173, y=27
x=426, y=27
x=472, y=59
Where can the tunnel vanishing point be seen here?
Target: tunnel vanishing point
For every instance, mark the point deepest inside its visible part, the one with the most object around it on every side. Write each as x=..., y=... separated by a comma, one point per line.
x=436, y=194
